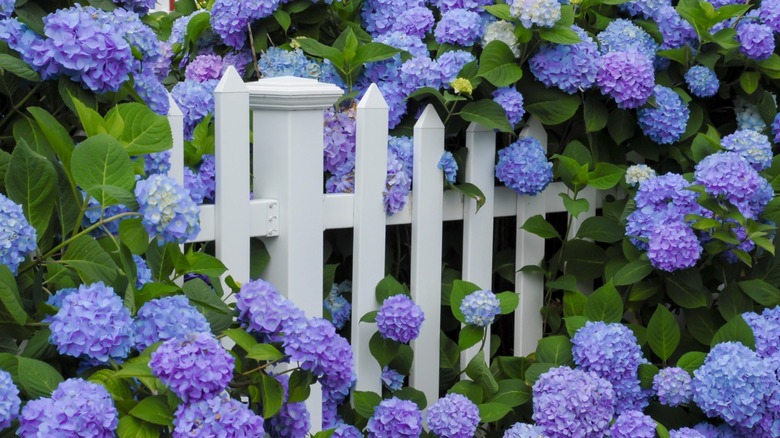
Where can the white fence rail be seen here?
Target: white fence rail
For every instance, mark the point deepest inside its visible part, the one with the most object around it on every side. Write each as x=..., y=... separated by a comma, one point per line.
x=290, y=211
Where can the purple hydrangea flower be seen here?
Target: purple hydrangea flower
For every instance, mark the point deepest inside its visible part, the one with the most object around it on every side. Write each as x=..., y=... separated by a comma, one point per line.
x=702, y=81
x=665, y=123
x=735, y=385
x=194, y=186
x=157, y=162
x=675, y=30
x=512, y=102
x=627, y=77
x=340, y=309
x=448, y=165
x=753, y=146
x=769, y=12
x=17, y=236
x=729, y=175
x=238, y=59
x=9, y=400
x=633, y=424
x=587, y=400
x=380, y=16
x=392, y=379
x=140, y=6
x=230, y=18
x=453, y=416
x=622, y=35
x=195, y=367
x=143, y=274
x=347, y=431
x=339, y=140
x=480, y=308
x=139, y=35
x=92, y=323
x=263, y=310
x=6, y=9
x=167, y=318
x=448, y=5
x=276, y=62
x=151, y=90
x=167, y=209
x=399, y=174
x=32, y=48
x=523, y=167
x=415, y=21
x=207, y=173
x=395, y=418
x=756, y=40
x=317, y=347
x=76, y=408
x=672, y=385
x=667, y=190
x=459, y=26
x=204, y=67
x=399, y=319
x=711, y=431
x=450, y=63
x=542, y=13
x=570, y=67
x=673, y=246
x=776, y=128
x=340, y=183
x=643, y=8
x=766, y=328
x=292, y=420
x=685, y=432
x=196, y=101
x=217, y=416
x=420, y=71
x=522, y=430
x=95, y=212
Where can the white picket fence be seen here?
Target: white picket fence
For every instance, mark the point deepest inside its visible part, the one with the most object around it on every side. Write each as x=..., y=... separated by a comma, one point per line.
x=290, y=211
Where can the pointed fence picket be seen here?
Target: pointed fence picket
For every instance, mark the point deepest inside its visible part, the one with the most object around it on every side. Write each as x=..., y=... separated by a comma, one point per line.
x=290, y=212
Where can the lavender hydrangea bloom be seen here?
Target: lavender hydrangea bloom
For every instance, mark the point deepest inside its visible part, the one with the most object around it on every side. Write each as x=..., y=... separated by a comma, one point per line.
x=542, y=13
x=672, y=385
x=194, y=186
x=398, y=182
x=673, y=246
x=675, y=30
x=167, y=318
x=157, y=162
x=92, y=323
x=453, y=416
x=340, y=309
x=415, y=21
x=766, y=328
x=702, y=81
x=448, y=165
x=587, y=400
x=480, y=308
x=392, y=379
x=137, y=33
x=379, y=16
x=622, y=35
x=340, y=183
x=627, y=77
x=459, y=26
x=523, y=167
x=450, y=63
x=9, y=400
x=196, y=101
x=32, y=48
x=263, y=310
x=685, y=432
x=151, y=90
x=633, y=424
x=734, y=384
x=207, y=173
x=195, y=367
x=339, y=141
x=143, y=274
x=399, y=319
x=570, y=67
x=217, y=416
x=167, y=209
x=95, y=212
x=753, y=146
x=17, y=236
x=729, y=175
x=665, y=123
x=230, y=18
x=448, y=5
x=667, y=190
x=643, y=8
x=523, y=430
x=395, y=418
x=205, y=67
x=239, y=59
x=6, y=9
x=756, y=40
x=711, y=431
x=317, y=347
x=76, y=408
x=140, y=6
x=512, y=102
x=769, y=12
x=637, y=173
x=292, y=420
x=347, y=431
x=776, y=128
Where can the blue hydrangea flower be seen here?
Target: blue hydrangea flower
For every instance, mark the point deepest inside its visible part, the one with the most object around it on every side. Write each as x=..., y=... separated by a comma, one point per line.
x=395, y=418
x=194, y=186
x=167, y=318
x=151, y=90
x=205, y=67
x=392, y=379
x=711, y=431
x=448, y=165
x=622, y=35
x=766, y=328
x=667, y=190
x=167, y=209
x=522, y=430
x=56, y=299
x=195, y=367
x=380, y=16
x=512, y=102
x=196, y=101
x=637, y=173
x=633, y=424
x=143, y=274
x=339, y=141
x=17, y=236
x=32, y=48
x=542, y=13
x=734, y=384
x=347, y=431
x=415, y=21
x=157, y=162
x=570, y=67
x=340, y=183
x=140, y=6
x=702, y=81
x=450, y=63
x=263, y=310
x=340, y=309
x=776, y=128
x=643, y=8
x=292, y=420
x=217, y=416
x=503, y=31
x=95, y=213
x=448, y=5
x=665, y=123
x=753, y=146
x=420, y=71
x=627, y=77
x=480, y=308
x=675, y=30
x=6, y=9
x=276, y=62
x=453, y=416
x=756, y=40
x=587, y=400
x=230, y=18
x=459, y=26
x=399, y=319
x=76, y=408
x=399, y=180
x=673, y=246
x=317, y=347
x=92, y=323
x=239, y=59
x=137, y=33
x=685, y=432
x=748, y=116
x=672, y=385
x=179, y=30
x=769, y=13
x=523, y=167
x=9, y=400
x=729, y=175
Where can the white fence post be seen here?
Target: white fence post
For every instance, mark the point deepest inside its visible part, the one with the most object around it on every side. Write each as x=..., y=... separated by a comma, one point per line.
x=529, y=249
x=478, y=225
x=369, y=230
x=231, y=109
x=427, y=206
x=176, y=120
x=287, y=156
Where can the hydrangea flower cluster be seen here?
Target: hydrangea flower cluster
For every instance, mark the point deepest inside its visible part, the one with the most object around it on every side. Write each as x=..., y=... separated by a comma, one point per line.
x=627, y=77
x=729, y=175
x=292, y=420
x=610, y=351
x=399, y=174
x=702, y=81
x=748, y=116
x=339, y=138
x=453, y=416
x=167, y=209
x=167, y=318
x=395, y=418
x=415, y=21
x=379, y=16
x=673, y=246
x=204, y=68
x=685, y=432
x=459, y=26
x=157, y=162
x=769, y=13
x=317, y=347
x=95, y=212
x=766, y=328
x=263, y=310
x=76, y=408
x=756, y=40
x=196, y=101
x=752, y=145
x=480, y=308
x=675, y=30
x=392, y=379
x=522, y=430
x=665, y=123
x=570, y=67
x=450, y=63
x=587, y=400
x=542, y=13
x=230, y=18
x=17, y=236
x=637, y=173
x=143, y=274
x=92, y=323
x=195, y=367
x=217, y=416
x=399, y=319
x=7, y=8
x=633, y=424
x=622, y=35
x=503, y=31
x=9, y=400
x=512, y=102
x=276, y=62
x=672, y=385
x=152, y=91
x=202, y=182
x=340, y=309
x=643, y=8
x=448, y=165
x=523, y=167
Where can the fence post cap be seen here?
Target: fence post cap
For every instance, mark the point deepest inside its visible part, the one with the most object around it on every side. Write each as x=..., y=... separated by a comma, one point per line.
x=292, y=93
x=429, y=119
x=173, y=109
x=373, y=99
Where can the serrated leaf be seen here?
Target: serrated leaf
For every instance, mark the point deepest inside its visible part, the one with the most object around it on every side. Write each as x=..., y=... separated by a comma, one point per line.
x=736, y=330
x=383, y=350
x=272, y=396
x=365, y=402
x=556, y=350
x=490, y=412
x=632, y=272
x=101, y=161
x=691, y=361
x=144, y=130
